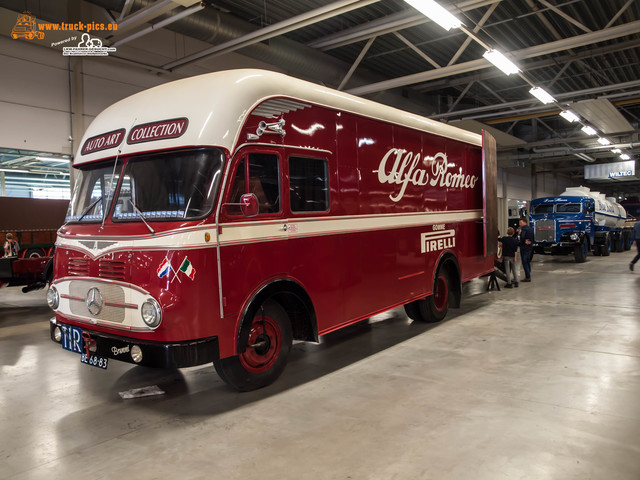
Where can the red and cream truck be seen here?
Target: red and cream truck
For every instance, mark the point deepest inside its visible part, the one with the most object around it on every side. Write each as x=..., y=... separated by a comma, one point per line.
x=218, y=218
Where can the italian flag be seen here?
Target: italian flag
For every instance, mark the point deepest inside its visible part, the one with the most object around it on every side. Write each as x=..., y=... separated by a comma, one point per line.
x=187, y=268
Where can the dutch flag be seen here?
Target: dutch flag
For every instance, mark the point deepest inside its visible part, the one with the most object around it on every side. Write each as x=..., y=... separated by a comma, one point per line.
x=164, y=268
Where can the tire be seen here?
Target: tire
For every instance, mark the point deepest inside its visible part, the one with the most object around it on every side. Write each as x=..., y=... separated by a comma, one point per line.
x=258, y=367
x=617, y=244
x=596, y=250
x=605, y=250
x=412, y=310
x=626, y=241
x=435, y=307
x=580, y=251
x=34, y=253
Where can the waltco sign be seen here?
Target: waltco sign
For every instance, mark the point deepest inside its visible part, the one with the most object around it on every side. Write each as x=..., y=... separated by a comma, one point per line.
x=620, y=170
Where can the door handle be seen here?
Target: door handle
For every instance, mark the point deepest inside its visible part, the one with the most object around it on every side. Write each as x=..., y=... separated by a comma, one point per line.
x=285, y=228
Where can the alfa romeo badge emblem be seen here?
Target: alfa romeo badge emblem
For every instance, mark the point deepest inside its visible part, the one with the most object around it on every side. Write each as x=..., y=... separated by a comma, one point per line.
x=94, y=301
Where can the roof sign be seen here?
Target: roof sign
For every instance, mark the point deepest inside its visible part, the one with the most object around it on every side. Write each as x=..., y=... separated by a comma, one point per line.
x=148, y=132
x=610, y=170
x=103, y=141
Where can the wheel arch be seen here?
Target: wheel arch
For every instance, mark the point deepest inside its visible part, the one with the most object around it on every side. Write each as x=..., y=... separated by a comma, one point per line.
x=293, y=298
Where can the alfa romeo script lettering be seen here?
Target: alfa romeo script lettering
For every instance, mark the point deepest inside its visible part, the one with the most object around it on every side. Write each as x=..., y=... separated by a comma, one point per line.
x=406, y=170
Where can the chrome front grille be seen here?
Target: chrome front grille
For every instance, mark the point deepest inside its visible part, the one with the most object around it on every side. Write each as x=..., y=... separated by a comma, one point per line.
x=113, y=301
x=545, y=231
x=112, y=269
x=78, y=266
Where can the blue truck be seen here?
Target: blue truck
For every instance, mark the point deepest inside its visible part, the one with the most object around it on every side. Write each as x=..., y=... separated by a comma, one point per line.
x=577, y=222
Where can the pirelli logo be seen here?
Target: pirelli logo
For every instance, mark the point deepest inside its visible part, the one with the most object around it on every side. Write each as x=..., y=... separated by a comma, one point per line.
x=435, y=241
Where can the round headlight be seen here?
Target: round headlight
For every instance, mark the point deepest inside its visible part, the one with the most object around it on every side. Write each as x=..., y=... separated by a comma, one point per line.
x=574, y=236
x=151, y=313
x=53, y=297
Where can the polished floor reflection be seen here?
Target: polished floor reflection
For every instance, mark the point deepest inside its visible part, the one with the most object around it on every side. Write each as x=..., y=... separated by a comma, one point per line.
x=539, y=382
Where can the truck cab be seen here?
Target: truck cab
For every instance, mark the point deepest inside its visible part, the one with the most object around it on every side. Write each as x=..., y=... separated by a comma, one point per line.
x=563, y=225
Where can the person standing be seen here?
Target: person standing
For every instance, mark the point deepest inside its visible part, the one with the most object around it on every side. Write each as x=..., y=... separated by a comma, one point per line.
x=11, y=247
x=526, y=248
x=509, y=249
x=635, y=235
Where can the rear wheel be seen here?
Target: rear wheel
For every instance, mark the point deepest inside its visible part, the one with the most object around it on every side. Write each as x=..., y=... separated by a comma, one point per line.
x=580, y=251
x=605, y=249
x=617, y=244
x=265, y=356
x=34, y=253
x=626, y=240
x=435, y=307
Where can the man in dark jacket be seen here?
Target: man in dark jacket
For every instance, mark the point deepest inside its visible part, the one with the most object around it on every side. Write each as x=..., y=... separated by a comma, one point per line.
x=635, y=235
x=526, y=248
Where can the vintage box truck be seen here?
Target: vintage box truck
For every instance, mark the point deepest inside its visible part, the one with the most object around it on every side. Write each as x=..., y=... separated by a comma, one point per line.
x=218, y=218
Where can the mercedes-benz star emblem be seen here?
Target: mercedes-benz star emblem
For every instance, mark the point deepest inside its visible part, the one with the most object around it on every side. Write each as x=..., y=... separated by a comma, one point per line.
x=94, y=301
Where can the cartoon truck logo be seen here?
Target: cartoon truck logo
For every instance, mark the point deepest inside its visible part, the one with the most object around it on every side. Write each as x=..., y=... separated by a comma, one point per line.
x=26, y=27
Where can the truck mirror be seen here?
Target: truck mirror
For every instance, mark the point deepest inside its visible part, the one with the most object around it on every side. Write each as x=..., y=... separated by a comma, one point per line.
x=249, y=205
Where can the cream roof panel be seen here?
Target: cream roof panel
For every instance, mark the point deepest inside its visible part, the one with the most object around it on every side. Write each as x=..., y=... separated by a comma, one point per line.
x=217, y=104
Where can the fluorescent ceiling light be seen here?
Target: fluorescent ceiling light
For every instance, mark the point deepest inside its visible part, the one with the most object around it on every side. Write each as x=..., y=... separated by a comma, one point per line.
x=53, y=159
x=588, y=130
x=616, y=150
x=499, y=60
x=13, y=170
x=604, y=141
x=569, y=115
x=542, y=95
x=624, y=156
x=437, y=13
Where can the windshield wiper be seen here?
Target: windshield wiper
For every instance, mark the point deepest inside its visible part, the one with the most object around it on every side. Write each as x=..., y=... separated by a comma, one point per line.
x=88, y=209
x=141, y=216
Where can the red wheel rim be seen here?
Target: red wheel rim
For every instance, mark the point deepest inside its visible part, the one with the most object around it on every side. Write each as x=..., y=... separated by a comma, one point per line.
x=441, y=293
x=260, y=359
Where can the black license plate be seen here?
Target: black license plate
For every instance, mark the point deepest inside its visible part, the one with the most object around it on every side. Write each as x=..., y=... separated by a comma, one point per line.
x=94, y=361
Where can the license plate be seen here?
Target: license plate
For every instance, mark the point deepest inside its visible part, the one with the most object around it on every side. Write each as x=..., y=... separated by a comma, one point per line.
x=72, y=338
x=94, y=361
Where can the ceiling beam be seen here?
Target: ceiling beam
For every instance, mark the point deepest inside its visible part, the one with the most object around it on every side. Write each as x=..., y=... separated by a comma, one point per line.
x=568, y=18
x=476, y=29
x=620, y=12
x=481, y=63
x=559, y=60
x=363, y=52
x=468, y=113
x=277, y=29
x=391, y=23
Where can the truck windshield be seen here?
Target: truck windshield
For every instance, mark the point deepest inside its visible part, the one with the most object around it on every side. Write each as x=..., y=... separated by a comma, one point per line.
x=169, y=186
x=543, y=208
x=568, y=208
x=93, y=191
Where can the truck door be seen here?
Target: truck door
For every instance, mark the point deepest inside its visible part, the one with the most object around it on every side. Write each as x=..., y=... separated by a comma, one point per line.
x=252, y=250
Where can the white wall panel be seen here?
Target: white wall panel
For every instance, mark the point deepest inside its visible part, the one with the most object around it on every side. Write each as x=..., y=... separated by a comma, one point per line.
x=33, y=128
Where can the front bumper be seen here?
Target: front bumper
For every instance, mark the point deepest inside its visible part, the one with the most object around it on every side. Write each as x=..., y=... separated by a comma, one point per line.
x=154, y=354
x=562, y=248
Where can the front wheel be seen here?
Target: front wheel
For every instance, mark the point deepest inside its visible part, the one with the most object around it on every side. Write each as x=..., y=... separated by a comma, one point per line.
x=580, y=251
x=435, y=307
x=265, y=356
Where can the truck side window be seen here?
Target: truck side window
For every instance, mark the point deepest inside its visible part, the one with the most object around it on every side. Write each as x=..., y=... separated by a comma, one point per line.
x=257, y=173
x=308, y=184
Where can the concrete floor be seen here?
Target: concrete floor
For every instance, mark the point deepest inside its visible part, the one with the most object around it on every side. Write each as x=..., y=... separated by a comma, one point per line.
x=540, y=382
